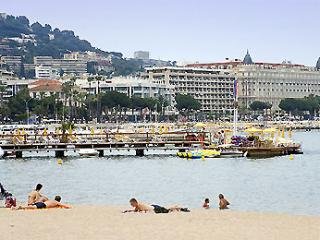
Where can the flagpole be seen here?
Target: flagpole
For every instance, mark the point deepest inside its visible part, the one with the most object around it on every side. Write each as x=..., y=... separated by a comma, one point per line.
x=235, y=107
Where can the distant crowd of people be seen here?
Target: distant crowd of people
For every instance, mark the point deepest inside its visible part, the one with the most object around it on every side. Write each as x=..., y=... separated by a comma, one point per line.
x=36, y=200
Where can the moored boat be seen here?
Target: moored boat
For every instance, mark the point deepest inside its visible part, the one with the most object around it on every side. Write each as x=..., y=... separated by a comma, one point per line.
x=90, y=152
x=199, y=153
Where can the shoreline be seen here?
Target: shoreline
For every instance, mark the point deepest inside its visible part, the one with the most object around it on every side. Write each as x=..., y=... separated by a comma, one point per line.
x=107, y=222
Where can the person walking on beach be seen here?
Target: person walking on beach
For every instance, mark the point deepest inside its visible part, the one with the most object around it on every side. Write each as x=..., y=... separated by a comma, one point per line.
x=46, y=204
x=141, y=207
x=36, y=196
x=206, y=204
x=223, y=203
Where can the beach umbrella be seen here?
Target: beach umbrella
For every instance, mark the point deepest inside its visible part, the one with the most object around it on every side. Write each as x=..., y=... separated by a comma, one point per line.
x=70, y=130
x=92, y=131
x=253, y=130
x=200, y=125
x=269, y=130
x=45, y=133
x=282, y=133
x=290, y=133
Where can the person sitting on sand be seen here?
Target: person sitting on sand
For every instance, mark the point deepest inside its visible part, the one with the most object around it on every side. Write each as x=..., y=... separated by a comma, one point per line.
x=206, y=203
x=10, y=200
x=46, y=204
x=223, y=203
x=141, y=207
x=36, y=196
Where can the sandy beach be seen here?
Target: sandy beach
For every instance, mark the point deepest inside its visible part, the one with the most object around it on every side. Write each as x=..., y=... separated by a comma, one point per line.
x=83, y=222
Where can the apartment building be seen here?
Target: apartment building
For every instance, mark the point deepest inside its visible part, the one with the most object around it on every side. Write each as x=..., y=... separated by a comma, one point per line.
x=67, y=66
x=137, y=87
x=14, y=62
x=213, y=88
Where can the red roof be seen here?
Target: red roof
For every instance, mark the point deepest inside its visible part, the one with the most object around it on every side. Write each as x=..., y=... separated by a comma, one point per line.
x=45, y=82
x=46, y=88
x=45, y=85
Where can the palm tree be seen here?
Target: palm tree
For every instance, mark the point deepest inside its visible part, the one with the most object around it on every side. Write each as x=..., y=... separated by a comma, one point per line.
x=2, y=91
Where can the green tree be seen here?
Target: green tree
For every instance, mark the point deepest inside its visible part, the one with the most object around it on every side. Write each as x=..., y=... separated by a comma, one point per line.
x=258, y=105
x=187, y=102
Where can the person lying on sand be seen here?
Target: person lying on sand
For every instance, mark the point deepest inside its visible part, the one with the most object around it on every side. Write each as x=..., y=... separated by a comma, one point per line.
x=206, y=203
x=141, y=207
x=223, y=203
x=36, y=196
x=46, y=204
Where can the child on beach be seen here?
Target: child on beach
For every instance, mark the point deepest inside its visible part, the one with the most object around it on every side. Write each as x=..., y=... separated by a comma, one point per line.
x=223, y=203
x=206, y=203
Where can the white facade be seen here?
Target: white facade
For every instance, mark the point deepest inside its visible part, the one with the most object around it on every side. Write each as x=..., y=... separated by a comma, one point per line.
x=137, y=87
x=213, y=88
x=44, y=72
x=270, y=82
x=142, y=55
x=68, y=66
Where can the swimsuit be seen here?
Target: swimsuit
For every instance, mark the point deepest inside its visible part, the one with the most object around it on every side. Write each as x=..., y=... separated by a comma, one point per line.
x=159, y=209
x=40, y=205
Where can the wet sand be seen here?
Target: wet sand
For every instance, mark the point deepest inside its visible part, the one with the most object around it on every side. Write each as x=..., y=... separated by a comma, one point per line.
x=93, y=222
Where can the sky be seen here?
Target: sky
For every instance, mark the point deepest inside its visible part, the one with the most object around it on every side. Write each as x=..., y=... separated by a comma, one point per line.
x=187, y=30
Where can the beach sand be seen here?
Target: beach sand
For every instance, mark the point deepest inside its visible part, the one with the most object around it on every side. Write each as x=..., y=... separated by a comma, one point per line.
x=84, y=222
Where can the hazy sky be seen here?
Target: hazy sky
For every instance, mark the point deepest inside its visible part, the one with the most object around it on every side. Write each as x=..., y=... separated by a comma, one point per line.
x=187, y=30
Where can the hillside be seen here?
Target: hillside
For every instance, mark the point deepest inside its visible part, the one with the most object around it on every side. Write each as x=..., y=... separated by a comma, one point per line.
x=41, y=39
x=19, y=37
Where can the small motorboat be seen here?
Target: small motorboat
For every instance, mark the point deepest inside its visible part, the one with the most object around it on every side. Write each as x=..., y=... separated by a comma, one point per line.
x=88, y=152
x=229, y=151
x=200, y=153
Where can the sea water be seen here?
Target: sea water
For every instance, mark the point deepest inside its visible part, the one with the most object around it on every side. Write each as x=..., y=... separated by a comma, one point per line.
x=278, y=184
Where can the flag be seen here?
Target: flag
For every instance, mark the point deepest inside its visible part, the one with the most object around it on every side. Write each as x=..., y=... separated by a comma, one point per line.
x=235, y=89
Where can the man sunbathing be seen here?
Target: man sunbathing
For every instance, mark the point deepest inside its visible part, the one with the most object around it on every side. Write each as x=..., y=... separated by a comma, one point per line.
x=46, y=204
x=141, y=207
x=36, y=196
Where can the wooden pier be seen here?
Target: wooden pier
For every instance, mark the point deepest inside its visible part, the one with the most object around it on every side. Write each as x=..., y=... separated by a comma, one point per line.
x=19, y=144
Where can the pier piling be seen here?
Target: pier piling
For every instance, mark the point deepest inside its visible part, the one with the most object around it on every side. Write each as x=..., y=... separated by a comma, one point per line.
x=139, y=152
x=18, y=154
x=101, y=154
x=59, y=154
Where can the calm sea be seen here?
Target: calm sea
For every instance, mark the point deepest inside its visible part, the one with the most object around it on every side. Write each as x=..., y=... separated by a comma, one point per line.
x=269, y=185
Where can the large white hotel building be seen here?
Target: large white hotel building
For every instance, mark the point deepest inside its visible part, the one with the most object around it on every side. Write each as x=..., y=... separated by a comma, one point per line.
x=213, y=88
x=269, y=82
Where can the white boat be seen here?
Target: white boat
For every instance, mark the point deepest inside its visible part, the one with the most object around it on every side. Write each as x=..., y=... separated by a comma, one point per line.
x=88, y=152
x=1, y=152
x=229, y=150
